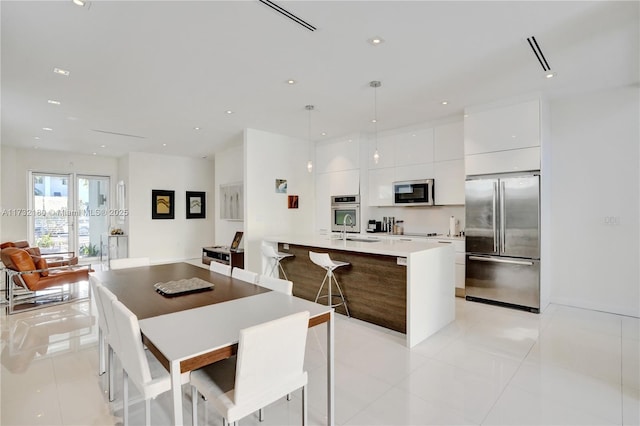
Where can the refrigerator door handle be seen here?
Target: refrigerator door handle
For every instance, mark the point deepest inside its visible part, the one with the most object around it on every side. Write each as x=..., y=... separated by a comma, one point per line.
x=495, y=209
x=502, y=225
x=493, y=259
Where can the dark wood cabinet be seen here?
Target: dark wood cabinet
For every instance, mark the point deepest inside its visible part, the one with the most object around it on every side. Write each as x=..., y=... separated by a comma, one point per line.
x=235, y=259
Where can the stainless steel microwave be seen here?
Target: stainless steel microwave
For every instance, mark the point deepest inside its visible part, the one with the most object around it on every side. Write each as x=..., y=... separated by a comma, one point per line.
x=413, y=193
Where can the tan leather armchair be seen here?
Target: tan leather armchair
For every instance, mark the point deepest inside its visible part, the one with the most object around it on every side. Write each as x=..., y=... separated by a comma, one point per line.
x=53, y=259
x=36, y=275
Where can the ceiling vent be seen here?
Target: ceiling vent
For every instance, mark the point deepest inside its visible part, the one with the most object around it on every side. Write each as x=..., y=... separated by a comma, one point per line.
x=118, y=134
x=288, y=14
x=538, y=52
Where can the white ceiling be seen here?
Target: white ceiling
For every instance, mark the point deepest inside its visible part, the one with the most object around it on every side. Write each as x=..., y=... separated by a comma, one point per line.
x=157, y=69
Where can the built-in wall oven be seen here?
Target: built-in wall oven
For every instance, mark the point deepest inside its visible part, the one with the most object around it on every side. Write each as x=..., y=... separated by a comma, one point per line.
x=345, y=213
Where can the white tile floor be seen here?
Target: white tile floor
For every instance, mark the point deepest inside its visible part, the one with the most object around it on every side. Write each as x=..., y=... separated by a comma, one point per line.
x=491, y=366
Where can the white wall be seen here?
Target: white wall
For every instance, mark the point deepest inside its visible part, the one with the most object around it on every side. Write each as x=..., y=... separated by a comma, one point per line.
x=229, y=169
x=164, y=239
x=269, y=156
x=595, y=163
x=16, y=164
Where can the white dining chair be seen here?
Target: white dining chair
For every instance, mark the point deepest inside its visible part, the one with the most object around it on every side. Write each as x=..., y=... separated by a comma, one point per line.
x=103, y=329
x=220, y=268
x=128, y=262
x=151, y=380
x=113, y=341
x=276, y=284
x=269, y=365
x=244, y=275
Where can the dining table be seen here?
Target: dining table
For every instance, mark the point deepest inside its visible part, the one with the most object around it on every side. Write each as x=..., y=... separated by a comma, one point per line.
x=189, y=331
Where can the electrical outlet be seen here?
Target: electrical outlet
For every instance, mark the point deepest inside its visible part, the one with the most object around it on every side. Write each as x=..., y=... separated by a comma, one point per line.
x=612, y=220
x=401, y=261
x=285, y=246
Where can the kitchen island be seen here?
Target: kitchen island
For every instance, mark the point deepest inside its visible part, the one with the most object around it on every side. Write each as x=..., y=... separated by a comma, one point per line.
x=406, y=286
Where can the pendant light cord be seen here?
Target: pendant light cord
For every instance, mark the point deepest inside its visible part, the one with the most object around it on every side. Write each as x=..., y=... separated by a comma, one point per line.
x=375, y=85
x=375, y=113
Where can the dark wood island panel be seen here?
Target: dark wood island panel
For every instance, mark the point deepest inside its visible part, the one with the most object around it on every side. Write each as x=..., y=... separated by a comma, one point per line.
x=375, y=286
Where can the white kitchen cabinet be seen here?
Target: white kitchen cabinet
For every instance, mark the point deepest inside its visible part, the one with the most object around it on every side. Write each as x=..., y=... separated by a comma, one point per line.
x=337, y=155
x=323, y=203
x=386, y=150
x=516, y=160
x=414, y=148
x=346, y=182
x=380, y=186
x=502, y=128
x=448, y=142
x=460, y=272
x=449, y=177
x=413, y=172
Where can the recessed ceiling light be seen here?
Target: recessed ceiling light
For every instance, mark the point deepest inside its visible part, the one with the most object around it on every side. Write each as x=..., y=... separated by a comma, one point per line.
x=164, y=144
x=36, y=137
x=291, y=81
x=550, y=74
x=196, y=128
x=61, y=72
x=48, y=129
x=80, y=3
x=94, y=153
x=103, y=146
x=466, y=115
x=53, y=102
x=374, y=121
x=229, y=111
x=444, y=102
x=323, y=133
x=375, y=41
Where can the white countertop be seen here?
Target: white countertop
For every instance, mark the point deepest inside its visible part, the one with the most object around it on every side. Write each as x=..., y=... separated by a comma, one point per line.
x=385, y=246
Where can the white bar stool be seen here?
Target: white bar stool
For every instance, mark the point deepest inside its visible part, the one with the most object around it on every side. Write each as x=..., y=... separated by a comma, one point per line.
x=323, y=260
x=276, y=257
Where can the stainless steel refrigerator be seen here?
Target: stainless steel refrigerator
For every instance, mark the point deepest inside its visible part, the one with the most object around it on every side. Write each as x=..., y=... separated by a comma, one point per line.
x=503, y=240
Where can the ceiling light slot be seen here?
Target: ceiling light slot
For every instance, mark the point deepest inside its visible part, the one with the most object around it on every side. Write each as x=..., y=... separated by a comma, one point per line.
x=538, y=52
x=118, y=134
x=288, y=14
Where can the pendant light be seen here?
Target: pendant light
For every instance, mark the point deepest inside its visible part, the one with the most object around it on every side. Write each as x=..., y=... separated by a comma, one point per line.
x=375, y=84
x=309, y=162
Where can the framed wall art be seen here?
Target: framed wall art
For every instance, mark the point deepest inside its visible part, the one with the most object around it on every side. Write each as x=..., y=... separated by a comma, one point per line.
x=162, y=204
x=196, y=205
x=232, y=201
x=281, y=186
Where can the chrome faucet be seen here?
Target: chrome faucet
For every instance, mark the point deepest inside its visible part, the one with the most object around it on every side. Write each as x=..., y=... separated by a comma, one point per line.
x=344, y=225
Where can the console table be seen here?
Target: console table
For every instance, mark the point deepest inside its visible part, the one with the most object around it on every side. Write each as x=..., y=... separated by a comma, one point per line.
x=222, y=254
x=113, y=247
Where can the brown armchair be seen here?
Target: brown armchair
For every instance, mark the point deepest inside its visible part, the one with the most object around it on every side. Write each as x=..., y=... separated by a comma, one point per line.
x=53, y=259
x=34, y=275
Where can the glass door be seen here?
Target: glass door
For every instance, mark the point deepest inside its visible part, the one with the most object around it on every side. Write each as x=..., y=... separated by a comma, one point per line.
x=93, y=217
x=52, y=212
